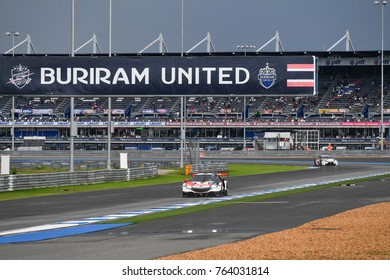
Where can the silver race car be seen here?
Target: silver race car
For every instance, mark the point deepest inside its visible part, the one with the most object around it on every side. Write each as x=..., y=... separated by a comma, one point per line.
x=205, y=184
x=323, y=160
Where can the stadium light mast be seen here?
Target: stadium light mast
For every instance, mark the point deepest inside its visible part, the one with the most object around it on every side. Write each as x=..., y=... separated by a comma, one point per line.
x=72, y=29
x=72, y=127
x=246, y=48
x=109, y=123
x=13, y=34
x=28, y=42
x=182, y=132
x=110, y=29
x=381, y=126
x=182, y=27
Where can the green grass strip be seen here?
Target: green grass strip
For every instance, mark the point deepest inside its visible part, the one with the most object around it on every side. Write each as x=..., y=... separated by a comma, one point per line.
x=172, y=176
x=193, y=209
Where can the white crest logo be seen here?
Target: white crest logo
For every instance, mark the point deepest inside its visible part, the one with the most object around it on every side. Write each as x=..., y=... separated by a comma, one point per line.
x=20, y=76
x=267, y=76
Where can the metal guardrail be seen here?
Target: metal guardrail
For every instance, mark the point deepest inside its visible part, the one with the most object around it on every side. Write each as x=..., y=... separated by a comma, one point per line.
x=63, y=179
x=209, y=167
x=297, y=154
x=31, y=181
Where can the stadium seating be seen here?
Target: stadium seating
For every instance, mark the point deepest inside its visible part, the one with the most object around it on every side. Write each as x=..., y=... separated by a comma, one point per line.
x=340, y=96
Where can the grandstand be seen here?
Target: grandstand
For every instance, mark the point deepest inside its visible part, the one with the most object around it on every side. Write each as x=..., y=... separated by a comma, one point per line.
x=347, y=107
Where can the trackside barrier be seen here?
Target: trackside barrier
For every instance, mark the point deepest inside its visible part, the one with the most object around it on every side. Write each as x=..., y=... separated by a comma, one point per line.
x=209, y=167
x=31, y=181
x=188, y=169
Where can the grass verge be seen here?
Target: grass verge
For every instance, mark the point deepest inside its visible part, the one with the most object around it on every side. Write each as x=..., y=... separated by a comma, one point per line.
x=173, y=176
x=192, y=209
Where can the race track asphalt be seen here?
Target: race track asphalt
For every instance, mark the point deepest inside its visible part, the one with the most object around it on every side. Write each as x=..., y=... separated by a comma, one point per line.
x=167, y=236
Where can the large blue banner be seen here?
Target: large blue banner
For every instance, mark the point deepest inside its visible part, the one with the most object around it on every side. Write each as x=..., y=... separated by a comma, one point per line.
x=158, y=75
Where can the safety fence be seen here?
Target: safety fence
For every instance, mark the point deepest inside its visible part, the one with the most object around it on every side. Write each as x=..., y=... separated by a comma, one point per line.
x=209, y=167
x=31, y=181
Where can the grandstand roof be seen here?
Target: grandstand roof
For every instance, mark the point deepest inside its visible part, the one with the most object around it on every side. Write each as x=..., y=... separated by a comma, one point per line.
x=322, y=54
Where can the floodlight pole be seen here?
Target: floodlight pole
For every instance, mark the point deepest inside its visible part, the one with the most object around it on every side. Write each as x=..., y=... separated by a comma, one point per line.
x=72, y=31
x=245, y=48
x=13, y=34
x=72, y=128
x=381, y=126
x=30, y=45
x=182, y=27
x=109, y=123
x=244, y=146
x=182, y=134
x=109, y=130
x=13, y=124
x=110, y=29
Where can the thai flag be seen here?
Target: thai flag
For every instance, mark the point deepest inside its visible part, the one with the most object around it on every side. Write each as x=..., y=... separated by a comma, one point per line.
x=301, y=82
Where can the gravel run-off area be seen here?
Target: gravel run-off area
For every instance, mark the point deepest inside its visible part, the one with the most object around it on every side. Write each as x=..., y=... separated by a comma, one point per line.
x=358, y=234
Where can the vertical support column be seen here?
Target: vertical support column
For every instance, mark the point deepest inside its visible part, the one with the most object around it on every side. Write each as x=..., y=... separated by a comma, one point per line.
x=382, y=127
x=72, y=30
x=13, y=124
x=244, y=146
x=181, y=134
x=110, y=30
x=28, y=44
x=109, y=131
x=73, y=133
x=71, y=128
x=182, y=27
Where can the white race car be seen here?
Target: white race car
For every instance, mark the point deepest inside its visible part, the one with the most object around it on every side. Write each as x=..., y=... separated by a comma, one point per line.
x=325, y=160
x=205, y=184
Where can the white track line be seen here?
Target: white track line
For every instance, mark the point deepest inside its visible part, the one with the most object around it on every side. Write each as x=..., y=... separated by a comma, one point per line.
x=92, y=220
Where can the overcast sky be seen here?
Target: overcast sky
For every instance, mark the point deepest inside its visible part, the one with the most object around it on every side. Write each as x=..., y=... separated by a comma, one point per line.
x=303, y=25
